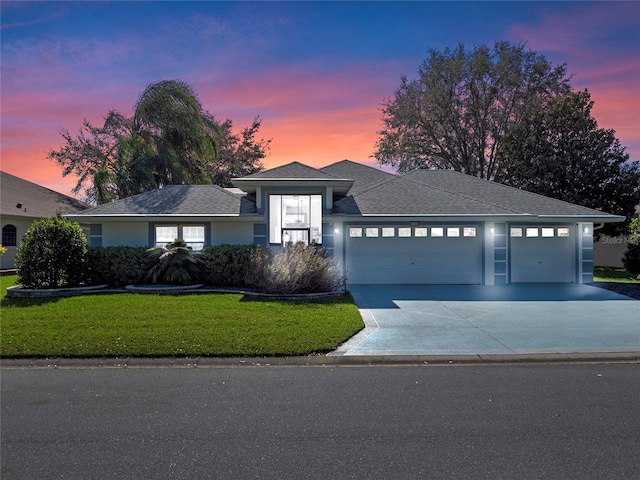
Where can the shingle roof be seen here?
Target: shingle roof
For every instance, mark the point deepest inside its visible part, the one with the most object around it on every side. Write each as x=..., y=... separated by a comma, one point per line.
x=35, y=200
x=178, y=200
x=294, y=170
x=445, y=192
x=364, y=176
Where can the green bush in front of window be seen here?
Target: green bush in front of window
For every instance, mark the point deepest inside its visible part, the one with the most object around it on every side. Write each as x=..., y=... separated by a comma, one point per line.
x=227, y=265
x=52, y=254
x=115, y=266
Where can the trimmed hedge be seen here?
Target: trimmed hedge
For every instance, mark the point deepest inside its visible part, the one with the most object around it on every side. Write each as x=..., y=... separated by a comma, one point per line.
x=228, y=265
x=115, y=266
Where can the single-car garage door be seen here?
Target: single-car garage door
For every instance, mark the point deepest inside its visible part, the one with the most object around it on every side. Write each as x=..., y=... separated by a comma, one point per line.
x=543, y=254
x=414, y=255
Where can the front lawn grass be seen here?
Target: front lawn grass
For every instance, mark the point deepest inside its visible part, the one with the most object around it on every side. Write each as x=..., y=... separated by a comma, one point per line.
x=616, y=275
x=131, y=325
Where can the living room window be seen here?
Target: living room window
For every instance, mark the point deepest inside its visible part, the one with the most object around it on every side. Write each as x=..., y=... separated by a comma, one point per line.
x=193, y=235
x=294, y=219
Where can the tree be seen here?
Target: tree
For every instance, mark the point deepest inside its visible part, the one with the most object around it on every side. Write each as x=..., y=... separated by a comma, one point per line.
x=239, y=154
x=560, y=152
x=456, y=114
x=171, y=139
x=631, y=259
x=96, y=157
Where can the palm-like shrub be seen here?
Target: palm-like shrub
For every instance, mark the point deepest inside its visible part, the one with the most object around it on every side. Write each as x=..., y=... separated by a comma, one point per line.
x=174, y=264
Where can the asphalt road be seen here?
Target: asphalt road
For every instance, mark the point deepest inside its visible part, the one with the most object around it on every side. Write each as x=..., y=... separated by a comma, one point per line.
x=402, y=422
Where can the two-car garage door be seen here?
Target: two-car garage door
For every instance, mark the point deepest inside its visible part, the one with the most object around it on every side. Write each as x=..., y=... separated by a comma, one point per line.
x=377, y=254
x=414, y=255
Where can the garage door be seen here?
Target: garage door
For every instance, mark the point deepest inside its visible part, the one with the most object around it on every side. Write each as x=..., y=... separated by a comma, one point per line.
x=543, y=254
x=414, y=255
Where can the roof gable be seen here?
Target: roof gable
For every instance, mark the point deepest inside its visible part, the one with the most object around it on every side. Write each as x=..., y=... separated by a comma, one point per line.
x=364, y=176
x=290, y=171
x=35, y=200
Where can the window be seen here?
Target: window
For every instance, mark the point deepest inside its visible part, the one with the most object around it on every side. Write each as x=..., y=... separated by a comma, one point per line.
x=469, y=232
x=299, y=217
x=355, y=232
x=9, y=236
x=563, y=232
x=516, y=232
x=437, y=232
x=404, y=231
x=371, y=231
x=420, y=232
x=193, y=235
x=532, y=232
x=547, y=232
x=388, y=232
x=453, y=232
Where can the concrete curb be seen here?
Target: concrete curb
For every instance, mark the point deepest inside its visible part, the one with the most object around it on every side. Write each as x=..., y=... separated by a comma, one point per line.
x=321, y=360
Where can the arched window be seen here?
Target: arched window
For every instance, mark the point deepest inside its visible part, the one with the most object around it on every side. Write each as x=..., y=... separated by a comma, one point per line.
x=9, y=236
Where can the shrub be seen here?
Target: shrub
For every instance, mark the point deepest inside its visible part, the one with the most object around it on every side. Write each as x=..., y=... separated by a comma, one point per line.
x=631, y=259
x=295, y=269
x=227, y=265
x=175, y=264
x=51, y=254
x=115, y=266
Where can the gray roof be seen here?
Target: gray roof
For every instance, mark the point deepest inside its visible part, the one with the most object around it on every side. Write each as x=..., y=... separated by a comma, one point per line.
x=373, y=192
x=178, y=200
x=35, y=200
x=445, y=192
x=294, y=170
x=364, y=176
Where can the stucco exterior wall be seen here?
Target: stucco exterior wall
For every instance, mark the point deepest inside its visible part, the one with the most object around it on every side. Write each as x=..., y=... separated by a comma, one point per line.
x=22, y=224
x=234, y=233
x=133, y=234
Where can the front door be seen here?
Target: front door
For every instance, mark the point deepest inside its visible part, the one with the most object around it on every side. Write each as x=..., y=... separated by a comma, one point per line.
x=293, y=236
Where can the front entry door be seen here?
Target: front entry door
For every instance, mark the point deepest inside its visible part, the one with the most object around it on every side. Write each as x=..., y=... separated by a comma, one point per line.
x=292, y=236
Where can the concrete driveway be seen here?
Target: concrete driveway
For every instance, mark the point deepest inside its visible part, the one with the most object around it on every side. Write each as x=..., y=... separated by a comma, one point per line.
x=485, y=320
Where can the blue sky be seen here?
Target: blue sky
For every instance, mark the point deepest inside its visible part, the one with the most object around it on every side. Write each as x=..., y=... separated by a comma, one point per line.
x=315, y=72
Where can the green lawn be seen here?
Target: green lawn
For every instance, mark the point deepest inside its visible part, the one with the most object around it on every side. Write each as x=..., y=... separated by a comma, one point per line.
x=161, y=325
x=617, y=275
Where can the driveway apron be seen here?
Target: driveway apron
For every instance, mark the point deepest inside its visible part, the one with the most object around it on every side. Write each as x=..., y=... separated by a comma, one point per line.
x=515, y=319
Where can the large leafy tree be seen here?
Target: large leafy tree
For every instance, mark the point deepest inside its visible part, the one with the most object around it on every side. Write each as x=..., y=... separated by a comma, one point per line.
x=171, y=139
x=559, y=151
x=456, y=114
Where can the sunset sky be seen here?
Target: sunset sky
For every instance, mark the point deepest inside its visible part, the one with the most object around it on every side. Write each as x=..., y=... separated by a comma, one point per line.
x=315, y=72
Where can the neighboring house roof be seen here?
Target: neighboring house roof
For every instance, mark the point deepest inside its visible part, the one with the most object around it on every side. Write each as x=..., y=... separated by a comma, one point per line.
x=21, y=198
x=204, y=200
x=364, y=176
x=446, y=192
